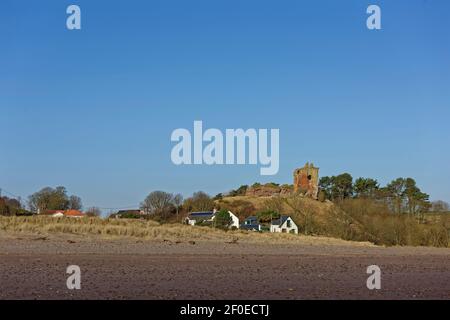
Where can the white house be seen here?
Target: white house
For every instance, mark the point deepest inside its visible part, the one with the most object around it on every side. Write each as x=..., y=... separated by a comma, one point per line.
x=199, y=217
x=62, y=213
x=251, y=224
x=58, y=214
x=285, y=225
x=208, y=217
x=234, y=220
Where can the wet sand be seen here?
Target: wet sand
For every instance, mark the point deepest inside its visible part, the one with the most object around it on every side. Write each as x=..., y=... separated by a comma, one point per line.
x=34, y=267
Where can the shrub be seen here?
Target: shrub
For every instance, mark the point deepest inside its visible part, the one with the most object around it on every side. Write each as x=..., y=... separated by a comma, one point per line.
x=377, y=224
x=267, y=216
x=241, y=207
x=222, y=220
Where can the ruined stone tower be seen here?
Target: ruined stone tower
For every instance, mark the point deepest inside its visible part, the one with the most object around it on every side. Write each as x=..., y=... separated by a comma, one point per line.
x=306, y=180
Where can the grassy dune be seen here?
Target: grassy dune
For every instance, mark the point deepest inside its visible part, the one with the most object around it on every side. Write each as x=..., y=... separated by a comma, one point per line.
x=319, y=223
x=150, y=230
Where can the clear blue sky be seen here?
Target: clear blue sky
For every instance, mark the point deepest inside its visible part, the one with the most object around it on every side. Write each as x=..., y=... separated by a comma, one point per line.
x=93, y=109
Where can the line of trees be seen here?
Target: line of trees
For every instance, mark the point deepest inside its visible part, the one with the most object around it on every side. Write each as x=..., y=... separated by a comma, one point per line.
x=53, y=199
x=164, y=205
x=159, y=204
x=440, y=206
x=402, y=195
x=42, y=200
x=10, y=207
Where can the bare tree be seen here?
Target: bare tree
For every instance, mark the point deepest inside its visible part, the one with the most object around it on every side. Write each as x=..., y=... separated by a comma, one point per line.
x=178, y=201
x=93, y=212
x=440, y=206
x=200, y=201
x=158, y=203
x=75, y=203
x=276, y=204
x=303, y=209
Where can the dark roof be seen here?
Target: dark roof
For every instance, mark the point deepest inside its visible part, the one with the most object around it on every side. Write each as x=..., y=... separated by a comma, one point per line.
x=280, y=221
x=250, y=226
x=252, y=220
x=135, y=211
x=74, y=213
x=201, y=215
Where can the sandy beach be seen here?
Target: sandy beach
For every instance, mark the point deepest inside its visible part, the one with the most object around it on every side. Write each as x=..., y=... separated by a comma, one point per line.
x=34, y=267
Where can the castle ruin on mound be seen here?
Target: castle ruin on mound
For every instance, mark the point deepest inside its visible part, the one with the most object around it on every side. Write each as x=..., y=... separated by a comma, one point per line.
x=306, y=183
x=306, y=180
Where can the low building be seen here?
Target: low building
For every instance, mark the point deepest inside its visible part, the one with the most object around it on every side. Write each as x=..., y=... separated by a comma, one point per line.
x=251, y=223
x=234, y=220
x=63, y=213
x=199, y=217
x=133, y=213
x=207, y=217
x=284, y=224
x=52, y=213
x=74, y=214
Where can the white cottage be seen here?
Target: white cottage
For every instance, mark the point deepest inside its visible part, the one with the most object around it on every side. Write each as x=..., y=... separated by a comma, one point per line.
x=285, y=225
x=234, y=220
x=58, y=214
x=208, y=217
x=199, y=217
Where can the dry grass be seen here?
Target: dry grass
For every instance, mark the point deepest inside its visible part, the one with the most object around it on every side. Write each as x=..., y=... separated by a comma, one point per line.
x=354, y=220
x=321, y=211
x=382, y=227
x=151, y=230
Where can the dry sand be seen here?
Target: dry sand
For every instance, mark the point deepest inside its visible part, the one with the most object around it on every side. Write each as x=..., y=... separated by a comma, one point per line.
x=34, y=267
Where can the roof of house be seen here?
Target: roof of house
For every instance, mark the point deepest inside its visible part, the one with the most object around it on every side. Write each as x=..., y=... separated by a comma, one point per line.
x=201, y=215
x=280, y=221
x=51, y=212
x=231, y=213
x=73, y=213
x=69, y=213
x=250, y=226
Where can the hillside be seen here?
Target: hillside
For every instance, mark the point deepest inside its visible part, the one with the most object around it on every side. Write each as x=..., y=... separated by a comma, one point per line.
x=321, y=210
x=353, y=219
x=313, y=217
